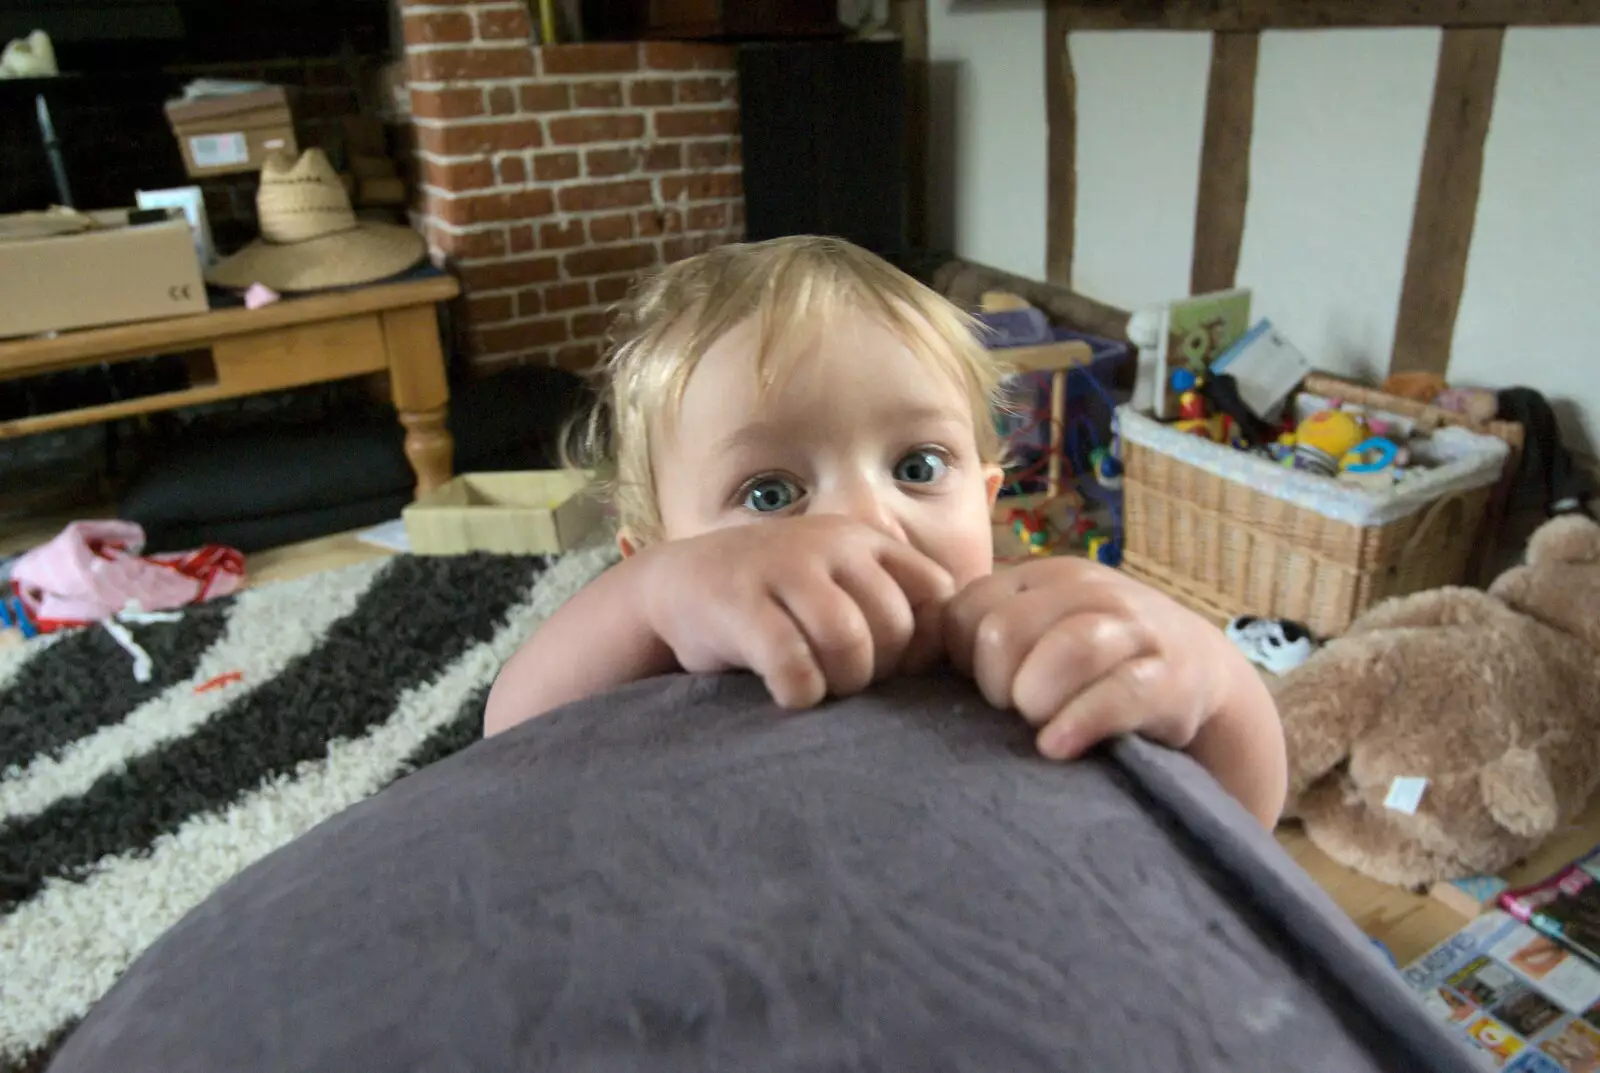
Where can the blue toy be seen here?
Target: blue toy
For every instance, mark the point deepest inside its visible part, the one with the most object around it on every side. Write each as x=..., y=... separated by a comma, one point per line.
x=1384, y=452
x=13, y=614
x=1107, y=469
x=1105, y=550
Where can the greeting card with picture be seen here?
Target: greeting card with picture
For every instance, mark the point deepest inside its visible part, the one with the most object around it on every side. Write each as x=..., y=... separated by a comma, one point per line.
x=1196, y=331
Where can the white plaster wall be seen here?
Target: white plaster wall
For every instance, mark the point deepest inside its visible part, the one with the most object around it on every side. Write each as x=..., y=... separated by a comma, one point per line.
x=1340, y=121
x=1141, y=114
x=1336, y=149
x=989, y=137
x=1530, y=312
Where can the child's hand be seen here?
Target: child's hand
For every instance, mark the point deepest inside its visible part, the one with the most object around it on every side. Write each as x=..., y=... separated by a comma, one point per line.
x=814, y=605
x=1085, y=653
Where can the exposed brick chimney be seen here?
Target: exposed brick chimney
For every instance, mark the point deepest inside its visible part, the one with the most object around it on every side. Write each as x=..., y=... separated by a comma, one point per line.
x=549, y=176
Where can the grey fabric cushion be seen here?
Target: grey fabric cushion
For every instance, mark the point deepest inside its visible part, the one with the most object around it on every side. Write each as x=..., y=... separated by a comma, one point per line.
x=679, y=876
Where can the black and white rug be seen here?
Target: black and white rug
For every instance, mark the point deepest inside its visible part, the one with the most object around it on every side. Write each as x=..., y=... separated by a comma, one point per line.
x=122, y=805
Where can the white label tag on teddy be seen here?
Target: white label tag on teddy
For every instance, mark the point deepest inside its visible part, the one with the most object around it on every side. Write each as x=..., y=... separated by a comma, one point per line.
x=1405, y=793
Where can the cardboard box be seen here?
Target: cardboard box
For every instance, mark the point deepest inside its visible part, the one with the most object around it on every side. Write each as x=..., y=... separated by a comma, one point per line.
x=232, y=133
x=102, y=272
x=535, y=512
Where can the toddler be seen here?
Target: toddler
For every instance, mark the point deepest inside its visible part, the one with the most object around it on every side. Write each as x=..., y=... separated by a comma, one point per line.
x=800, y=445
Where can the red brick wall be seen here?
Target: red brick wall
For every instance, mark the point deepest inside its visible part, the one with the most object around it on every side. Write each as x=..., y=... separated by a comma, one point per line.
x=551, y=176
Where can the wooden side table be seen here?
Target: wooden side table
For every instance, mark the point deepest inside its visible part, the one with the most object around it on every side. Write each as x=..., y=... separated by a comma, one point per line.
x=389, y=328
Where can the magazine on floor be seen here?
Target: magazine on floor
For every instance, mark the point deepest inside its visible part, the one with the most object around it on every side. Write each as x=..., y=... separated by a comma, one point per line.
x=1521, y=996
x=1564, y=906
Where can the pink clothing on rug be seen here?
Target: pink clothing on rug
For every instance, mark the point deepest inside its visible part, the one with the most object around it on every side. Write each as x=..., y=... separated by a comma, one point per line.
x=92, y=570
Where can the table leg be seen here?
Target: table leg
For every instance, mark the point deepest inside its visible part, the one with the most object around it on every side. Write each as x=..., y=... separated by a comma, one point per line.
x=429, y=447
x=421, y=392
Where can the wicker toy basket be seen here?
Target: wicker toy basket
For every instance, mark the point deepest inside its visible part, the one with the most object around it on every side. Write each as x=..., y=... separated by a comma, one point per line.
x=1213, y=537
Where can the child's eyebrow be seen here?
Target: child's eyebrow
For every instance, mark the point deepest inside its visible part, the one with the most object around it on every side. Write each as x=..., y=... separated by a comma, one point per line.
x=760, y=433
x=924, y=414
x=754, y=434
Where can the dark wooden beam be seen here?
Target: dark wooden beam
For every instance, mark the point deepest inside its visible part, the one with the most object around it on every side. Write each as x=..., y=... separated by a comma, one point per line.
x=1061, y=112
x=909, y=19
x=1242, y=15
x=1447, y=199
x=1224, y=162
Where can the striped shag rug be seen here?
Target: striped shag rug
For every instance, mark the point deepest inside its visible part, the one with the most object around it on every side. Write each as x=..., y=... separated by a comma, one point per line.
x=122, y=805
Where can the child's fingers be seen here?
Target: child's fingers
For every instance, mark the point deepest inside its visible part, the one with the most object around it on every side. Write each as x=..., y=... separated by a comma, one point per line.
x=887, y=611
x=926, y=647
x=1077, y=586
x=1070, y=656
x=928, y=588
x=967, y=610
x=1000, y=641
x=924, y=581
x=772, y=645
x=837, y=630
x=1122, y=702
x=973, y=618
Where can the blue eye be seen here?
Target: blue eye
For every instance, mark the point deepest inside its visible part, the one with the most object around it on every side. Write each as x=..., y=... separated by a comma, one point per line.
x=770, y=494
x=921, y=467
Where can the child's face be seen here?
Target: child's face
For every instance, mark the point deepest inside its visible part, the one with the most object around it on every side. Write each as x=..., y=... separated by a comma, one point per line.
x=858, y=425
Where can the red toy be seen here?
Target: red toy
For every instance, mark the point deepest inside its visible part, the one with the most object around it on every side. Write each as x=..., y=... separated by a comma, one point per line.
x=1032, y=528
x=1191, y=406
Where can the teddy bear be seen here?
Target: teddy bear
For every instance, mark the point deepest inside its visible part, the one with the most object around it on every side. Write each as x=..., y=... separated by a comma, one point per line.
x=1492, y=698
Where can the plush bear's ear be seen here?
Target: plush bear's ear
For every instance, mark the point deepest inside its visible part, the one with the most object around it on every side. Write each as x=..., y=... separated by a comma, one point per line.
x=1518, y=794
x=1571, y=538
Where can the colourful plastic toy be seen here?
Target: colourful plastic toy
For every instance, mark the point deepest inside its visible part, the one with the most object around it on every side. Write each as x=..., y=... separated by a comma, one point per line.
x=1107, y=468
x=14, y=615
x=1370, y=456
x=1105, y=550
x=1325, y=437
x=1033, y=529
x=1218, y=428
x=1191, y=406
x=1334, y=432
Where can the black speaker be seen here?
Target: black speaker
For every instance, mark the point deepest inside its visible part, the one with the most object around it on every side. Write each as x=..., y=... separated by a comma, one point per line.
x=824, y=141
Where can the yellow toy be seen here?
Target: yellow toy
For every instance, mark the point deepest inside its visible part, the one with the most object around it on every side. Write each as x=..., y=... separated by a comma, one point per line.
x=1333, y=432
x=1325, y=437
x=1218, y=428
x=1033, y=529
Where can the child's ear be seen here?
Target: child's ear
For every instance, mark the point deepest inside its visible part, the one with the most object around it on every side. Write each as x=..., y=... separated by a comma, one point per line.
x=994, y=478
x=627, y=544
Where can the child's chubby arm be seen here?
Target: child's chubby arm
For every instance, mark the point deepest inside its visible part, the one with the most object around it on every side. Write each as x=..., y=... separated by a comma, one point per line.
x=596, y=640
x=813, y=605
x=1085, y=653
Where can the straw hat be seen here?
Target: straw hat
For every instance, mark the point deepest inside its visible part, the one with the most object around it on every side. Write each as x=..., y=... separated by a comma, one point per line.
x=310, y=237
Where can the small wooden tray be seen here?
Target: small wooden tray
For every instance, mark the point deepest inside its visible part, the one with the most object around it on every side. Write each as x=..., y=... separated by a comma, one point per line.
x=536, y=512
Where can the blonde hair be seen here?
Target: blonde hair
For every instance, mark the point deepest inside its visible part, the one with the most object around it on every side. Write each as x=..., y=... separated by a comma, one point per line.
x=792, y=285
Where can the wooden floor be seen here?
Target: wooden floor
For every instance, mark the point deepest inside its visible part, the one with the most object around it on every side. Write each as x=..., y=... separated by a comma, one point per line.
x=1407, y=923
x=314, y=556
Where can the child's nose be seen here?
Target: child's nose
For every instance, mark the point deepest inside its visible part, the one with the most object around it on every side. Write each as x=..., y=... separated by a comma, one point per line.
x=862, y=503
